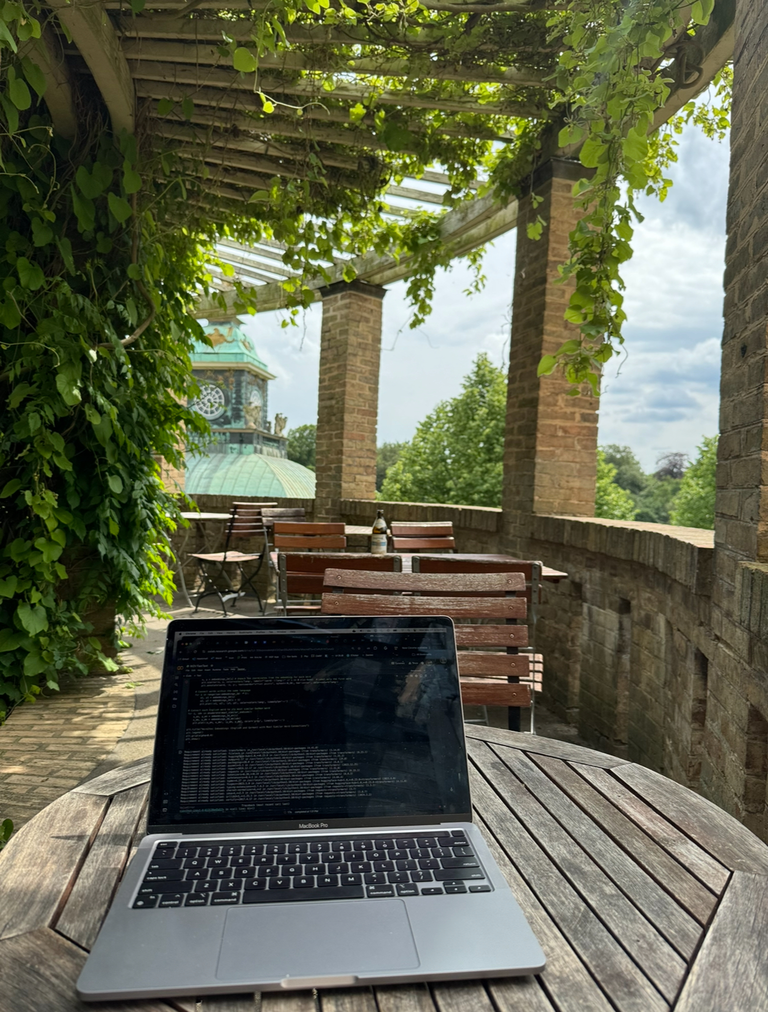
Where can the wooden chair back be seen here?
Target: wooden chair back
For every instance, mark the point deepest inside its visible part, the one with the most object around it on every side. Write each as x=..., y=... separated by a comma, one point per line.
x=293, y=514
x=291, y=536
x=422, y=537
x=486, y=608
x=245, y=521
x=302, y=573
x=458, y=564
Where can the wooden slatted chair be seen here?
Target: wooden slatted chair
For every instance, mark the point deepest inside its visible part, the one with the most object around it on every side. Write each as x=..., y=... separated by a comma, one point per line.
x=295, y=536
x=245, y=524
x=533, y=586
x=422, y=537
x=300, y=575
x=487, y=608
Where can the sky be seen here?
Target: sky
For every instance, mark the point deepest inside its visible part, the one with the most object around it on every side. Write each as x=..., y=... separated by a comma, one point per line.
x=659, y=396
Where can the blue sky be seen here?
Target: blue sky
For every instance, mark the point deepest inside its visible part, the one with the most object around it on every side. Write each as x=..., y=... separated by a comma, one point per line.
x=661, y=395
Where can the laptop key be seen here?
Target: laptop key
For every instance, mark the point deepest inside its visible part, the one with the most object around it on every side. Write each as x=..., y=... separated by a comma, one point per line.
x=351, y=880
x=375, y=878
x=256, y=883
x=303, y=881
x=452, y=889
x=171, y=875
x=196, y=900
x=171, y=900
x=421, y=876
x=224, y=899
x=293, y=896
x=162, y=888
x=279, y=883
x=380, y=891
x=165, y=862
x=451, y=874
x=432, y=891
x=407, y=890
x=147, y=902
x=325, y=881
x=480, y=889
x=459, y=862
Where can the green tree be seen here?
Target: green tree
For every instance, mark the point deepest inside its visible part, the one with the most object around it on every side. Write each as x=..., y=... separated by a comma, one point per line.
x=694, y=504
x=386, y=455
x=301, y=445
x=611, y=501
x=456, y=453
x=629, y=473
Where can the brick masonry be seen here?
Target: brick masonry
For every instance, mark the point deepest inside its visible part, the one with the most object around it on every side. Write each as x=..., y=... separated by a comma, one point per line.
x=348, y=395
x=551, y=438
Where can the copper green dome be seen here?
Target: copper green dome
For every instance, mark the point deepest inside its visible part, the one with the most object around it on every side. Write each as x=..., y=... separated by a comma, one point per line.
x=251, y=474
x=230, y=345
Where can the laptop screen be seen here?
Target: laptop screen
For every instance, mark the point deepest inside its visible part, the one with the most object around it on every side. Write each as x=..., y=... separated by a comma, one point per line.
x=308, y=723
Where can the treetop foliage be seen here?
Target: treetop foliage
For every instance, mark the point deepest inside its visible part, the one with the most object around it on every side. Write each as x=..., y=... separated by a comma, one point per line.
x=302, y=440
x=456, y=453
x=694, y=504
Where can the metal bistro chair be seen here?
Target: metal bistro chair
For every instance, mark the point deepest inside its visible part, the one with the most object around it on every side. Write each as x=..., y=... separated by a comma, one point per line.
x=532, y=572
x=422, y=537
x=245, y=523
x=490, y=666
x=300, y=575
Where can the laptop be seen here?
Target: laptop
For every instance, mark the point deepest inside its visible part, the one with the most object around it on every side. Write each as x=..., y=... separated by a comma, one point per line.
x=309, y=819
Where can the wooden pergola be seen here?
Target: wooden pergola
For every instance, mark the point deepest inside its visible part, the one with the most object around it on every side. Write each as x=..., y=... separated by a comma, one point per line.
x=168, y=69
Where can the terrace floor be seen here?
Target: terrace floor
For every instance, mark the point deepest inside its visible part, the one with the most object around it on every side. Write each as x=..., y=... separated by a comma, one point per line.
x=96, y=723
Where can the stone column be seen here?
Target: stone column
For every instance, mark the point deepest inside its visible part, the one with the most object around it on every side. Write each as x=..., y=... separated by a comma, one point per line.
x=551, y=438
x=348, y=395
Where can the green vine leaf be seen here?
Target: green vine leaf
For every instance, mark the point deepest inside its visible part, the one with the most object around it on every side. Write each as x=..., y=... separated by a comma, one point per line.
x=131, y=179
x=244, y=60
x=30, y=275
x=115, y=483
x=33, y=619
x=34, y=75
x=85, y=211
x=120, y=207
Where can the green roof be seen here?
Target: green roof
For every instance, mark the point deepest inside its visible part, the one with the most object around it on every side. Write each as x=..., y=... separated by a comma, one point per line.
x=230, y=344
x=252, y=474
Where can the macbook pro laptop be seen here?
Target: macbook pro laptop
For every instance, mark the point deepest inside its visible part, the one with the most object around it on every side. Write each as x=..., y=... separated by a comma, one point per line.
x=309, y=819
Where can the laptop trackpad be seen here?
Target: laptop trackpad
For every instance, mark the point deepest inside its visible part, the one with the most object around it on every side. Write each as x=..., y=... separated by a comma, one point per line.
x=276, y=941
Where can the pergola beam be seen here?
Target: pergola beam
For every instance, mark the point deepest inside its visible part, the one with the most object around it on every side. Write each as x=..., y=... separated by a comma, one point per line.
x=205, y=54
x=462, y=230
x=99, y=45
x=218, y=77
x=46, y=52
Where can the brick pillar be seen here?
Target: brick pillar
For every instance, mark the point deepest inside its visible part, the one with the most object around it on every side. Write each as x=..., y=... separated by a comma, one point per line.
x=551, y=438
x=741, y=528
x=348, y=395
x=734, y=763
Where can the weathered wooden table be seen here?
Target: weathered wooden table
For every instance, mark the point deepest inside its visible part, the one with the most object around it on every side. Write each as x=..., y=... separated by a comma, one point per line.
x=644, y=896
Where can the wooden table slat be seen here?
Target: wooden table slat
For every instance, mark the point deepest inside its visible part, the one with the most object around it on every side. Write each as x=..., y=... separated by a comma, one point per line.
x=698, y=862
x=229, y=1003
x=669, y=875
x=575, y=879
x=543, y=746
x=404, y=998
x=623, y=983
x=462, y=996
x=38, y=971
x=120, y=779
x=519, y=994
x=731, y=970
x=53, y=844
x=87, y=904
x=296, y=1001
x=719, y=833
x=345, y=1000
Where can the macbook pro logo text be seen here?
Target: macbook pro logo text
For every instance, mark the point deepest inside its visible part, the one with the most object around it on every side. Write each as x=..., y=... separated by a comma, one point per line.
x=313, y=825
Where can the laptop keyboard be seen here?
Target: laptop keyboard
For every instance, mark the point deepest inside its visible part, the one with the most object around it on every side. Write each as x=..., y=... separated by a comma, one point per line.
x=228, y=873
